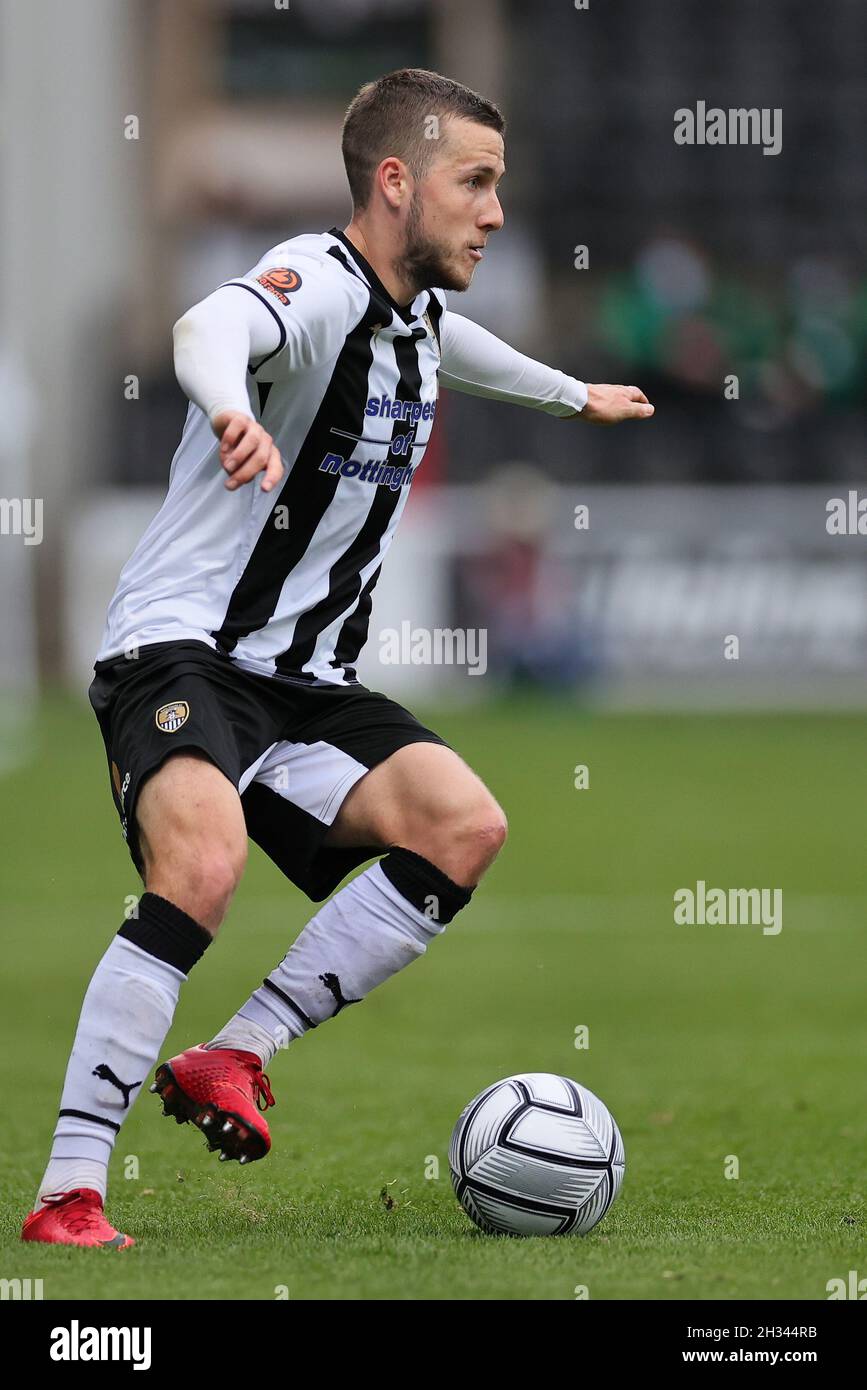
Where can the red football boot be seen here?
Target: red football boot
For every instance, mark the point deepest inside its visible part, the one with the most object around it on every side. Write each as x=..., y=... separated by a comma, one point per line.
x=223, y=1092
x=73, y=1218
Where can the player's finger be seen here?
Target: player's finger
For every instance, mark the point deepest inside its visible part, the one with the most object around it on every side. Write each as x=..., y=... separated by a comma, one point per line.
x=638, y=412
x=232, y=433
x=244, y=449
x=255, y=448
x=229, y=456
x=636, y=394
x=243, y=474
x=253, y=465
x=274, y=471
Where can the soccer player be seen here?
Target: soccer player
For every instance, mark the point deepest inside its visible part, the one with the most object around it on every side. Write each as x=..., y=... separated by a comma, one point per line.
x=225, y=686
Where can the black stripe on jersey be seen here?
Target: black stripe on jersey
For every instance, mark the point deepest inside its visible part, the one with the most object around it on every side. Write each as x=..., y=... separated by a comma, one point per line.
x=344, y=579
x=353, y=633
x=378, y=290
x=338, y=255
x=239, y=285
x=379, y=296
x=307, y=492
x=404, y=311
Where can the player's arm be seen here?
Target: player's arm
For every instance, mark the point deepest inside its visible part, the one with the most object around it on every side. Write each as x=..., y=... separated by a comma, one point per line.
x=214, y=343
x=476, y=361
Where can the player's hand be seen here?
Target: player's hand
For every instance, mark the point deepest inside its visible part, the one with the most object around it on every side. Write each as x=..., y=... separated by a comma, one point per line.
x=246, y=449
x=608, y=405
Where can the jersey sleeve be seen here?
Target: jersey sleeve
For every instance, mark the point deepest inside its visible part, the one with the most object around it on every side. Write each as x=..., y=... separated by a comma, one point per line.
x=213, y=345
x=475, y=361
x=311, y=305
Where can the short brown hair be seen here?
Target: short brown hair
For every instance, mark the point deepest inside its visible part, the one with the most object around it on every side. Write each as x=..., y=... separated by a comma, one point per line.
x=388, y=117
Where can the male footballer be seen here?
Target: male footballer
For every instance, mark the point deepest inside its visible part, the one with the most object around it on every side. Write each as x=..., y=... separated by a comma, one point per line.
x=225, y=687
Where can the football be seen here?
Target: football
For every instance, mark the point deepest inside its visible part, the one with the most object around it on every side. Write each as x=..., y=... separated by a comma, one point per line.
x=536, y=1155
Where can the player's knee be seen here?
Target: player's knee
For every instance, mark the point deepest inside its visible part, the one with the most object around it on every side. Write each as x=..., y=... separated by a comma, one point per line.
x=485, y=833
x=215, y=876
x=468, y=839
x=202, y=882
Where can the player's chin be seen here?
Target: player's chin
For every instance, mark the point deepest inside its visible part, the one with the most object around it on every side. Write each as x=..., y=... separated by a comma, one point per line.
x=457, y=277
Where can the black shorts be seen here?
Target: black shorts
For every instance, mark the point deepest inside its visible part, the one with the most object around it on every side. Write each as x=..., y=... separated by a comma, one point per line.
x=292, y=750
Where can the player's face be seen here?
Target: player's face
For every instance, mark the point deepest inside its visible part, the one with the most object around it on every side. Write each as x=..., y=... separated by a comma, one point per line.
x=455, y=209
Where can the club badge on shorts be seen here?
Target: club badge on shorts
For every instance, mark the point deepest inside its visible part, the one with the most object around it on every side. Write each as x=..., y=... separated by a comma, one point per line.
x=170, y=718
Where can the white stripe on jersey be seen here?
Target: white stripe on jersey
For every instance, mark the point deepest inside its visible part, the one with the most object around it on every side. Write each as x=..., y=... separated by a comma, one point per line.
x=272, y=578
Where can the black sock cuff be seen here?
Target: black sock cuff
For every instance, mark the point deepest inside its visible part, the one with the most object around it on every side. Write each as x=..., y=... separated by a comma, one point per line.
x=167, y=932
x=418, y=881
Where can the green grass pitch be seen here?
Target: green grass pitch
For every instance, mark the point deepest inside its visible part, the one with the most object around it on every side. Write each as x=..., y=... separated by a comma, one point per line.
x=705, y=1042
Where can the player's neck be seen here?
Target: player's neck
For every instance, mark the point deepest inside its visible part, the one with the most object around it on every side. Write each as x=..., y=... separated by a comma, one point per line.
x=401, y=291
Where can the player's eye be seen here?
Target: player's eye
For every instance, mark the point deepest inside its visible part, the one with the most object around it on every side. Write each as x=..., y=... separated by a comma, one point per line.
x=473, y=180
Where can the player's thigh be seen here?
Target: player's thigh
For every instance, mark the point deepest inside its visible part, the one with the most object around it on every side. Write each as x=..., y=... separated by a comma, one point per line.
x=423, y=794
x=192, y=834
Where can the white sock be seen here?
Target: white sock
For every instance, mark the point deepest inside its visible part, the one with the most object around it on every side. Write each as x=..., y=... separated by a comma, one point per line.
x=362, y=936
x=244, y=1035
x=126, y=1014
x=64, y=1174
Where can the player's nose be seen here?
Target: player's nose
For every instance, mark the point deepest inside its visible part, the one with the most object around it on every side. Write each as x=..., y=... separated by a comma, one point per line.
x=493, y=216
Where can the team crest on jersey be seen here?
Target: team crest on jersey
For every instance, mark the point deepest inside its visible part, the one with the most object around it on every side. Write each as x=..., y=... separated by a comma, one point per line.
x=170, y=718
x=280, y=281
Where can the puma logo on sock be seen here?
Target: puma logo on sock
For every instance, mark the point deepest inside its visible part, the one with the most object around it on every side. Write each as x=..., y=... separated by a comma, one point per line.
x=106, y=1074
x=332, y=982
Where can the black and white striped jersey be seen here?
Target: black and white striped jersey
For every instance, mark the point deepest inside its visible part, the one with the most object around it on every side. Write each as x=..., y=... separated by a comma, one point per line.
x=282, y=581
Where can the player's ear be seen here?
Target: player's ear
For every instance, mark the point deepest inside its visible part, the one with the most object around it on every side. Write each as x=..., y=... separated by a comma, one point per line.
x=392, y=178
